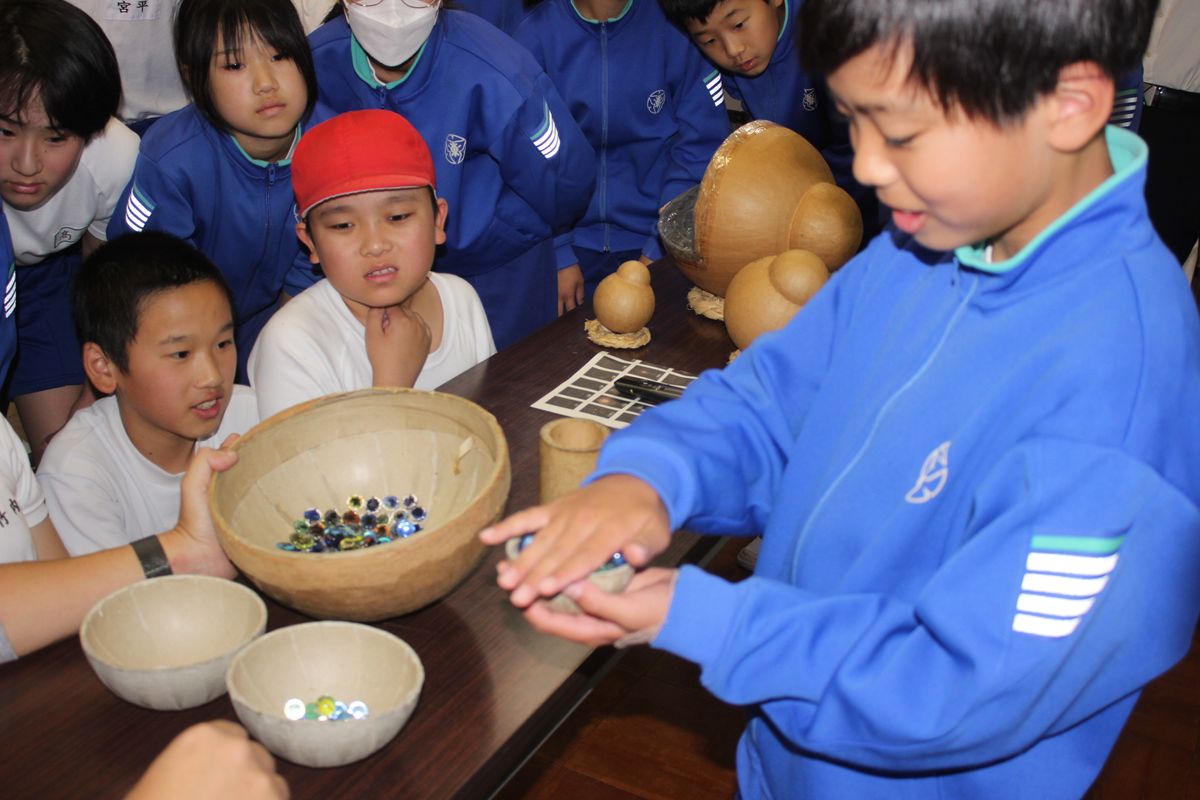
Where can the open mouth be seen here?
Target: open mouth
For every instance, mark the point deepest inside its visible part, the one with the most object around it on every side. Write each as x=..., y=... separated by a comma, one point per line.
x=381, y=274
x=208, y=409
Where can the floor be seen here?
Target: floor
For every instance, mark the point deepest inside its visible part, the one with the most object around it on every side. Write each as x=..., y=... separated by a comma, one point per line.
x=650, y=731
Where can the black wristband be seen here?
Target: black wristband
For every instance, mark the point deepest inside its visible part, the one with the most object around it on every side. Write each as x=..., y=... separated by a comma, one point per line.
x=150, y=553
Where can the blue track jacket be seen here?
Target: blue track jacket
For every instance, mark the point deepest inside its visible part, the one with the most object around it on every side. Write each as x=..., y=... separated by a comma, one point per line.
x=196, y=182
x=649, y=103
x=514, y=167
x=504, y=14
x=8, y=315
x=981, y=515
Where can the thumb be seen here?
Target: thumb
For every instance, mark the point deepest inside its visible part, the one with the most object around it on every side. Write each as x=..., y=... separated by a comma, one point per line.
x=194, y=515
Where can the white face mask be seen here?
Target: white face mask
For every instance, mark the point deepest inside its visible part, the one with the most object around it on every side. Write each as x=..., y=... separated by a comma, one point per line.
x=391, y=30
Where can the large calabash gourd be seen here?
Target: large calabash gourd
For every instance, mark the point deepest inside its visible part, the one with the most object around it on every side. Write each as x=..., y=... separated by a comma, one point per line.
x=624, y=301
x=767, y=293
x=766, y=190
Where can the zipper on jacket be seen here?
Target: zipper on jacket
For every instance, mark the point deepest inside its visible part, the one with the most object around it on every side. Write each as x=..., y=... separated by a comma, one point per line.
x=602, y=179
x=883, y=411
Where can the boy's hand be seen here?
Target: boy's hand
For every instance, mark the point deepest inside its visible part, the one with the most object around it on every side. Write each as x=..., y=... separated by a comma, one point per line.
x=633, y=616
x=212, y=761
x=398, y=342
x=578, y=533
x=192, y=545
x=570, y=288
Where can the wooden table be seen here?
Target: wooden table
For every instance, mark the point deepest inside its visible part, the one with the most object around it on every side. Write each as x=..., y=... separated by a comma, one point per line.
x=494, y=687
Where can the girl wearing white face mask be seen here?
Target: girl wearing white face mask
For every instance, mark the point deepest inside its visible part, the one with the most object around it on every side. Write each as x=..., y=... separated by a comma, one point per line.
x=513, y=165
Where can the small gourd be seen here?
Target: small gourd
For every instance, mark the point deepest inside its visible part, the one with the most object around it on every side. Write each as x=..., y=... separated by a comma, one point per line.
x=766, y=293
x=624, y=301
x=826, y=222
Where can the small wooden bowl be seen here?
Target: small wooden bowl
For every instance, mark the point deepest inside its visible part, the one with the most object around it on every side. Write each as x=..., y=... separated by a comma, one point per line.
x=343, y=660
x=165, y=643
x=445, y=450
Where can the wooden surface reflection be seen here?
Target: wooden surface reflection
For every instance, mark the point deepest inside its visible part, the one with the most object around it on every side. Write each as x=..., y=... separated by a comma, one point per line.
x=493, y=689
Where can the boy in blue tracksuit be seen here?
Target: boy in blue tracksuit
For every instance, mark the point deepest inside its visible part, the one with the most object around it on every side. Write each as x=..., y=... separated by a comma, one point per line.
x=754, y=44
x=981, y=521
x=514, y=167
x=651, y=107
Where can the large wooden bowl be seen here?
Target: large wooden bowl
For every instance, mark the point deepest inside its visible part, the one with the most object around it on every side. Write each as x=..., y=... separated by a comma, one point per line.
x=747, y=198
x=445, y=450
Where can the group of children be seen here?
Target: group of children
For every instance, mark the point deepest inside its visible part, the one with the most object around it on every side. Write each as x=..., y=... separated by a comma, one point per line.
x=547, y=157
x=960, y=453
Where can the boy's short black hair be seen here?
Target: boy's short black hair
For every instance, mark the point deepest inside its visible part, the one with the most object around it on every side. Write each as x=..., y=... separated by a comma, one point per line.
x=991, y=58
x=198, y=23
x=680, y=12
x=51, y=50
x=114, y=283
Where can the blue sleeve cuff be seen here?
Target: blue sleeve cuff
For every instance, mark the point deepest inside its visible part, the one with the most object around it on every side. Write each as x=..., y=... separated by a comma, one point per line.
x=564, y=251
x=702, y=611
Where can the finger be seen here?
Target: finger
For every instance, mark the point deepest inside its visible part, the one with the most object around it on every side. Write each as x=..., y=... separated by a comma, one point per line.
x=579, y=293
x=574, y=627
x=227, y=728
x=626, y=610
x=230, y=440
x=525, y=521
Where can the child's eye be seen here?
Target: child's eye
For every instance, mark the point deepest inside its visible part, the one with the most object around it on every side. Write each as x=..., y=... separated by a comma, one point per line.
x=281, y=57
x=225, y=344
x=180, y=355
x=232, y=66
x=399, y=217
x=340, y=226
x=899, y=141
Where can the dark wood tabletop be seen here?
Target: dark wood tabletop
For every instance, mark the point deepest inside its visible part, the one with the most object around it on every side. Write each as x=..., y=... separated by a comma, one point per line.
x=494, y=687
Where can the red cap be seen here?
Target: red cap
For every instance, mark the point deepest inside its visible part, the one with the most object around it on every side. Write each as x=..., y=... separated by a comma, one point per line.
x=359, y=151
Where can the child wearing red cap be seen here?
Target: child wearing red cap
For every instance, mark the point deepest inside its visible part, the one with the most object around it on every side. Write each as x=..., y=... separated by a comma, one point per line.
x=371, y=218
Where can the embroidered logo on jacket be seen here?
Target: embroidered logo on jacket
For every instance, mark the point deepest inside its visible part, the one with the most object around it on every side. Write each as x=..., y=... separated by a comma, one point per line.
x=656, y=101
x=1063, y=576
x=545, y=138
x=456, y=148
x=810, y=99
x=10, y=291
x=934, y=474
x=716, y=90
x=138, y=209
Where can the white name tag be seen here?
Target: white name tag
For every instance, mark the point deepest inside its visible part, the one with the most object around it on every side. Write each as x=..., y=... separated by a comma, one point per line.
x=133, y=9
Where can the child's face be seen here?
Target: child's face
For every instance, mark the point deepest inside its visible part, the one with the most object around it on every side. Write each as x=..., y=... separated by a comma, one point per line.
x=949, y=180
x=260, y=94
x=376, y=248
x=181, y=365
x=36, y=160
x=739, y=35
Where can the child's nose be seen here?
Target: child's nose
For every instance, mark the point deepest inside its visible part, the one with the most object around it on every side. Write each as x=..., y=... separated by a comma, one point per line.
x=208, y=369
x=25, y=159
x=374, y=241
x=734, y=49
x=871, y=165
x=264, y=78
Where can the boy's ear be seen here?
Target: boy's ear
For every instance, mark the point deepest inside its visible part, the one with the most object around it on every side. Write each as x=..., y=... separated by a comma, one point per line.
x=1079, y=106
x=99, y=368
x=443, y=210
x=306, y=238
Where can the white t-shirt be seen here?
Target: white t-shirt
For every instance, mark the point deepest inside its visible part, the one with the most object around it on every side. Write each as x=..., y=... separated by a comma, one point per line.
x=103, y=492
x=140, y=32
x=314, y=346
x=83, y=204
x=23, y=504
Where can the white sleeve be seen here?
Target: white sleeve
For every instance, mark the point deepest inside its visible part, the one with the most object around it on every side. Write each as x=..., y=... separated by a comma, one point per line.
x=109, y=158
x=85, y=511
x=287, y=366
